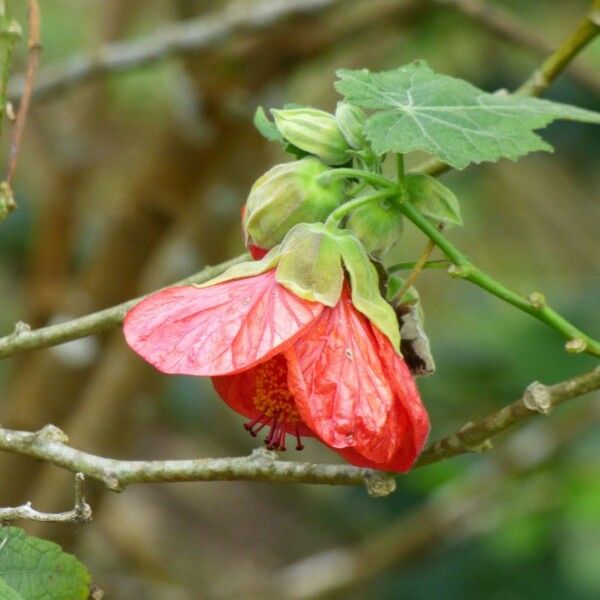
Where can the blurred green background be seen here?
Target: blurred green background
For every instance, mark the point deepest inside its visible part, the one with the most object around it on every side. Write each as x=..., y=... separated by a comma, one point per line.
x=135, y=179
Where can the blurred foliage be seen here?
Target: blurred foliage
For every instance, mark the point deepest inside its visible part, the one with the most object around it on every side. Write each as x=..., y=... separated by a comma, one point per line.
x=99, y=152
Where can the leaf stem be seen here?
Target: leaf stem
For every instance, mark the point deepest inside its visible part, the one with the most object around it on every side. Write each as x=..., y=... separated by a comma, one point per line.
x=339, y=213
x=535, y=304
x=419, y=265
x=430, y=264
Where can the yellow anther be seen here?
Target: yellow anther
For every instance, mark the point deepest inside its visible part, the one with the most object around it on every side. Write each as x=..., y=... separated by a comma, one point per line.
x=272, y=396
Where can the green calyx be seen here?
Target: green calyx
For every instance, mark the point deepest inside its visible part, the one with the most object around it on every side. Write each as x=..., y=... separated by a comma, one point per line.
x=433, y=199
x=286, y=195
x=364, y=281
x=310, y=262
x=314, y=131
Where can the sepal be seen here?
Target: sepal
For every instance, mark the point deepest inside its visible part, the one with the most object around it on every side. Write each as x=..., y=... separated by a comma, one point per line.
x=433, y=199
x=364, y=281
x=310, y=264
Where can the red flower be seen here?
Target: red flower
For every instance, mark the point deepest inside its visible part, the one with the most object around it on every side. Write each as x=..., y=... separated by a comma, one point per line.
x=290, y=365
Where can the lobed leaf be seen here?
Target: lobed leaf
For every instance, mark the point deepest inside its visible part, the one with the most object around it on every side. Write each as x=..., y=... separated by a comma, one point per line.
x=419, y=109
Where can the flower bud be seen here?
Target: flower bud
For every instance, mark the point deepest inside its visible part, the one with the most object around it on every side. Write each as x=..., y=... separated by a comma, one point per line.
x=314, y=131
x=351, y=121
x=286, y=195
x=378, y=225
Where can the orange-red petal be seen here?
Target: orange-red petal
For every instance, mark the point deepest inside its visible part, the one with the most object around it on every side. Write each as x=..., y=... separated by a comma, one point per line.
x=220, y=329
x=355, y=392
x=239, y=393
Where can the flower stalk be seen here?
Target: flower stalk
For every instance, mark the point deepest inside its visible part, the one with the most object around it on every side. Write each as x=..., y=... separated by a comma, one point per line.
x=339, y=213
x=464, y=268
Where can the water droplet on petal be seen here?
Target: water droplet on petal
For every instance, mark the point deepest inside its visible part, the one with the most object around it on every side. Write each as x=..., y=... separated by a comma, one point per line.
x=348, y=353
x=350, y=439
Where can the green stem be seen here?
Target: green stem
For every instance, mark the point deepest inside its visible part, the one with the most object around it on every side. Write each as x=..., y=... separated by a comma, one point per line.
x=541, y=79
x=535, y=305
x=339, y=213
x=378, y=180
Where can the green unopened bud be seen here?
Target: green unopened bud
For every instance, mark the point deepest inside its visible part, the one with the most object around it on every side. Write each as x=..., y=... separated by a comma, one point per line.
x=351, y=121
x=286, y=195
x=314, y=131
x=378, y=225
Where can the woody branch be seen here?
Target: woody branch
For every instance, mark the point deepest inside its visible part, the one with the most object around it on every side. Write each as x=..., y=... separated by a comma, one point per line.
x=50, y=445
x=80, y=513
x=188, y=37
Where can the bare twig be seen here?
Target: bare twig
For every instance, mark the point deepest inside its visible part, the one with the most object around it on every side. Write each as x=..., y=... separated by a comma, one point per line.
x=501, y=23
x=539, y=81
x=50, y=445
x=10, y=32
x=178, y=39
x=537, y=398
x=34, y=45
x=448, y=515
x=24, y=339
x=80, y=513
x=416, y=271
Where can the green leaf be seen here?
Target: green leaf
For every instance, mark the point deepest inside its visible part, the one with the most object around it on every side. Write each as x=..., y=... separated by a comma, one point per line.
x=8, y=593
x=448, y=117
x=266, y=128
x=433, y=199
x=39, y=570
x=270, y=131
